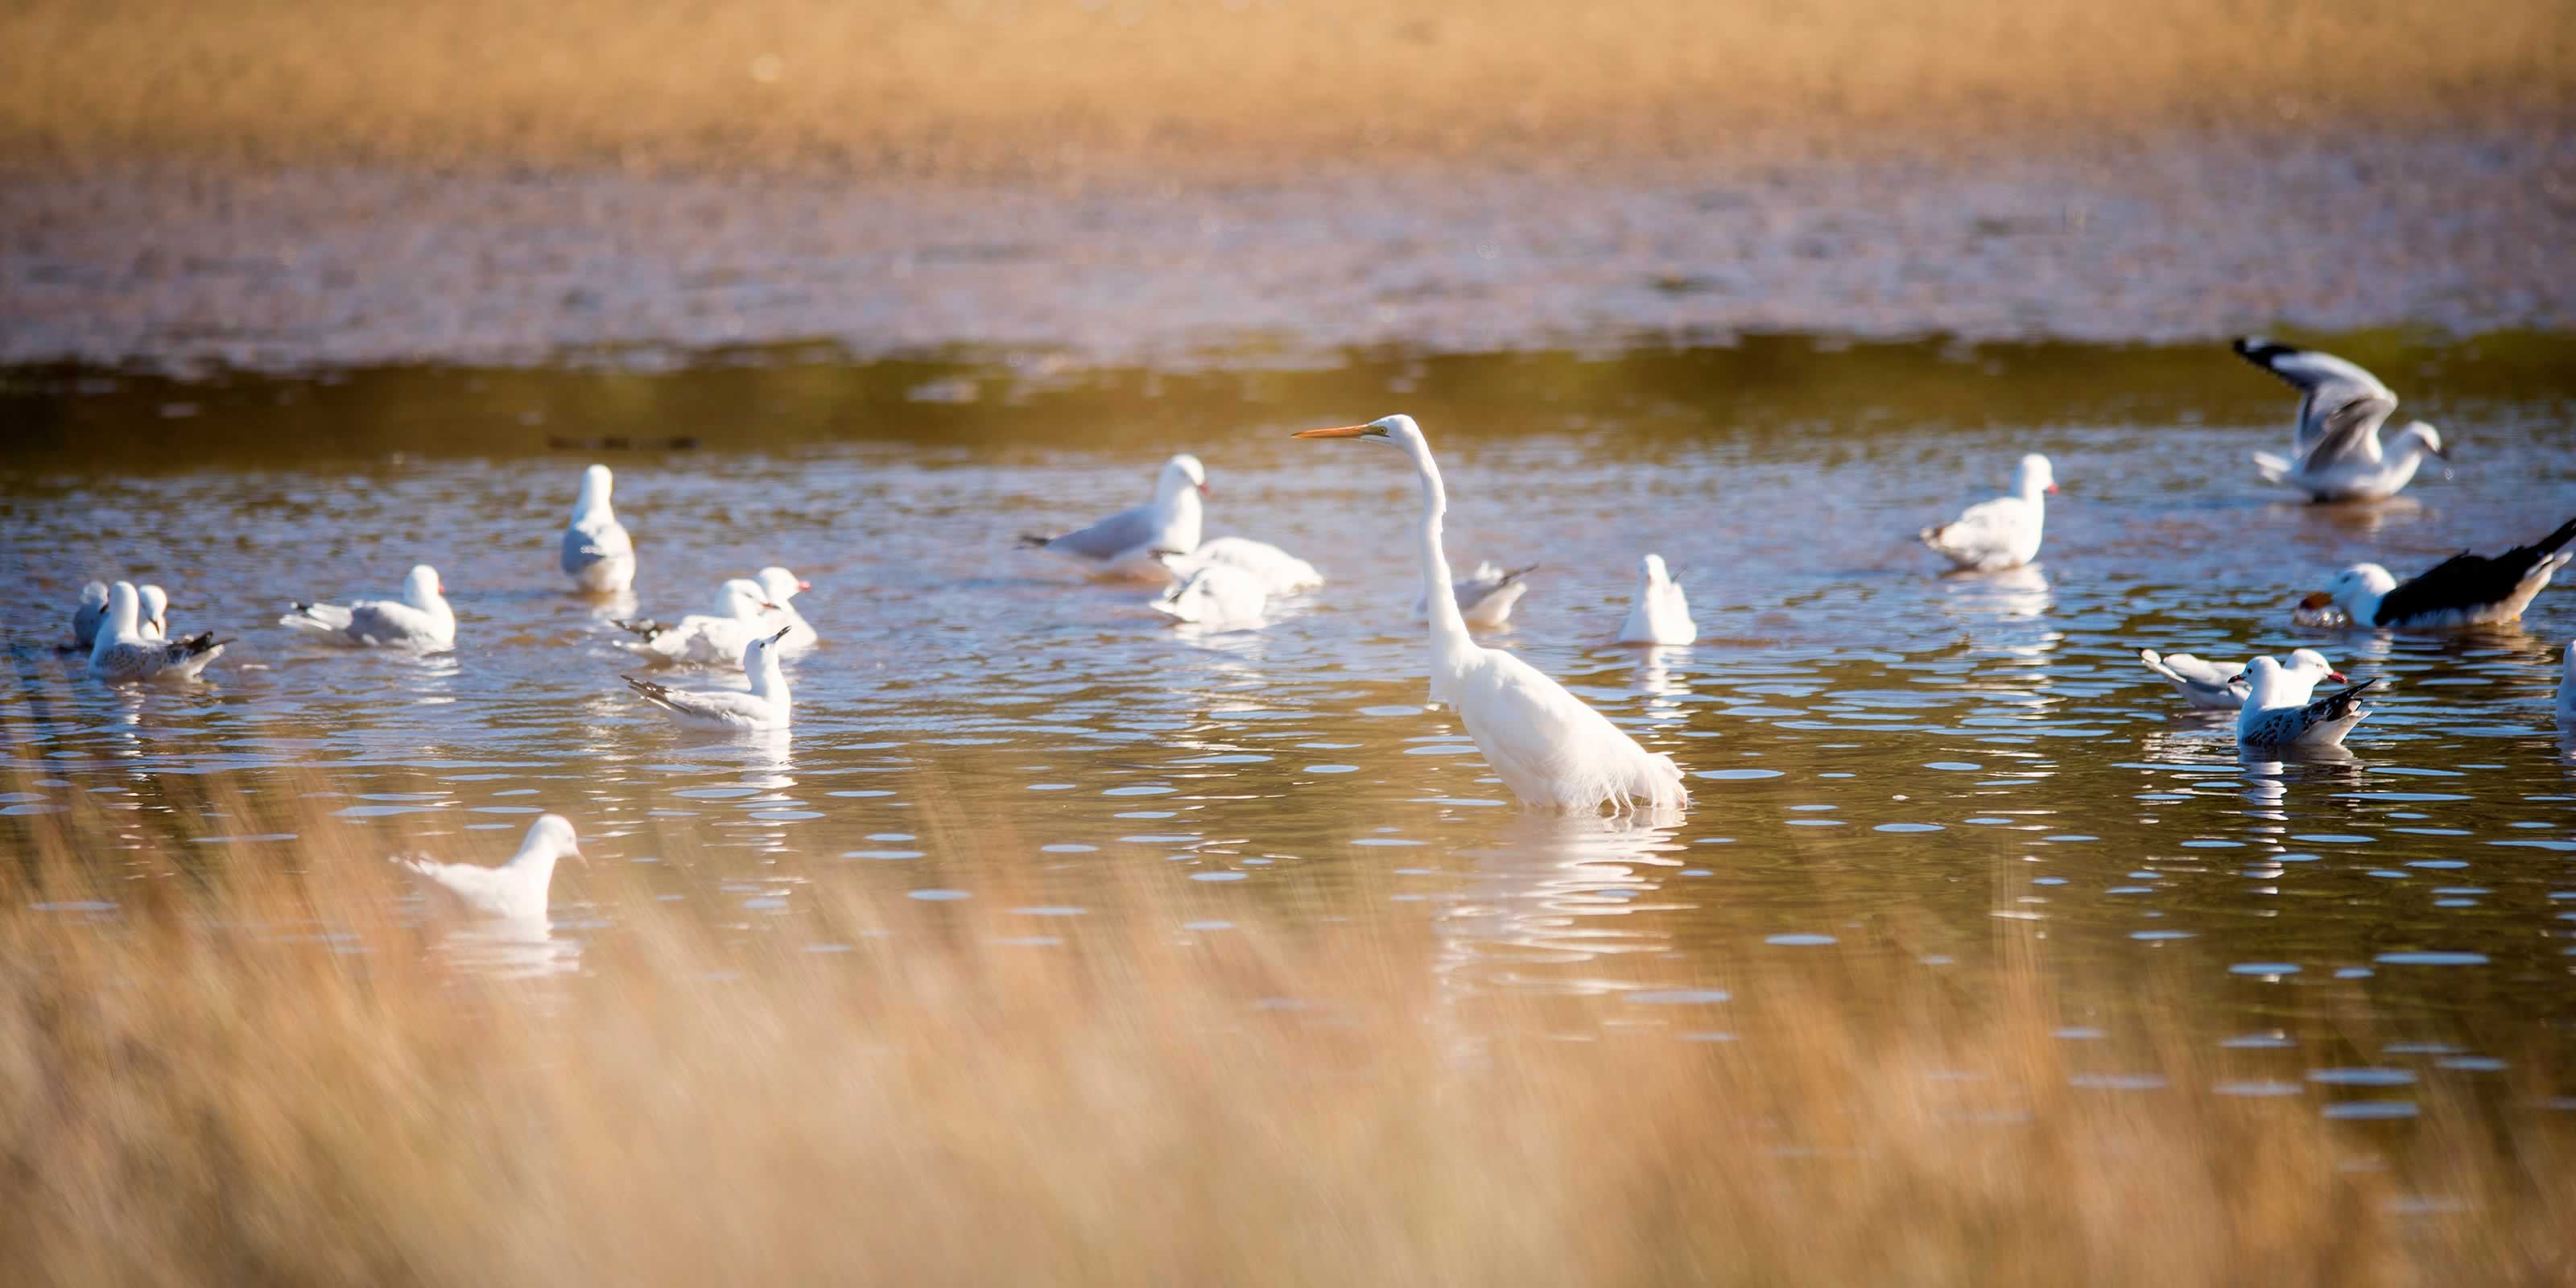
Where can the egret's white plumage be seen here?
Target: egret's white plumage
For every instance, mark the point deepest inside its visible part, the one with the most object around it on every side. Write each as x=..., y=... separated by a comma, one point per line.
x=2335, y=451
x=598, y=554
x=1485, y=595
x=1124, y=544
x=1552, y=750
x=421, y=620
x=120, y=654
x=2213, y=686
x=2279, y=712
x=781, y=587
x=707, y=639
x=514, y=891
x=1213, y=594
x=1991, y=536
x=764, y=707
x=1280, y=572
x=1661, y=614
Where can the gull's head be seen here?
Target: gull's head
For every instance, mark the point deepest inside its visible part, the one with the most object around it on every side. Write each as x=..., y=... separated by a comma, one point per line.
x=762, y=651
x=423, y=584
x=2034, y=476
x=94, y=595
x=552, y=835
x=595, y=485
x=2312, y=662
x=2428, y=440
x=1651, y=568
x=124, y=608
x=155, y=608
x=1392, y=431
x=2256, y=672
x=1181, y=473
x=2351, y=586
x=780, y=584
x=743, y=597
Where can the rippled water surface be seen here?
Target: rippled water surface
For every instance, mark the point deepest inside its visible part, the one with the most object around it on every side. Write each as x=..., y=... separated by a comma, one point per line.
x=1882, y=757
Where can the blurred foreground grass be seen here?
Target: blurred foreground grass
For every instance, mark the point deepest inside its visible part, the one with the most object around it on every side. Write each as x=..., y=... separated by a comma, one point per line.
x=1249, y=86
x=259, y=1071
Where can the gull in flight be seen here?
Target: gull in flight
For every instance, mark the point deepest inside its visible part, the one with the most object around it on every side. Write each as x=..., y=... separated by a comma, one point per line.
x=122, y=654
x=2463, y=590
x=2211, y=686
x=514, y=891
x=1280, y=572
x=743, y=614
x=420, y=621
x=764, y=707
x=1125, y=543
x=1661, y=614
x=597, y=553
x=2335, y=454
x=2279, y=712
x=1485, y=596
x=1551, y=749
x=1991, y=536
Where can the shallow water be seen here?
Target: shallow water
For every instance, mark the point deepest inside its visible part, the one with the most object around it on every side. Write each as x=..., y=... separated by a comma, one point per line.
x=1884, y=759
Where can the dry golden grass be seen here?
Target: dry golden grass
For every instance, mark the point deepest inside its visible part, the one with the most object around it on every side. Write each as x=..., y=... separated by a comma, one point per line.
x=204, y=1088
x=1011, y=86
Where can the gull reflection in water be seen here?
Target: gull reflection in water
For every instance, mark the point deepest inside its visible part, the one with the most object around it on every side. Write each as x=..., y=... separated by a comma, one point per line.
x=508, y=948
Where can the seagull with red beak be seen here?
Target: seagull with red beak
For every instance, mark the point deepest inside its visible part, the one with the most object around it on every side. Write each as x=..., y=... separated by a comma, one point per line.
x=1991, y=536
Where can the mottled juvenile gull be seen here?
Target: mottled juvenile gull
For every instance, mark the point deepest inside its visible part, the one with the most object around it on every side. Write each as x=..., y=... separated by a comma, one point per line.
x=2278, y=712
x=122, y=655
x=2215, y=687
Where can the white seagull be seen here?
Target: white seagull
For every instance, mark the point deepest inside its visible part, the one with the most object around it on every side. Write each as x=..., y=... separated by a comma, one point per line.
x=1553, y=751
x=781, y=587
x=1661, y=614
x=2335, y=452
x=597, y=553
x=1212, y=594
x=1991, y=536
x=765, y=707
x=1485, y=596
x=2211, y=686
x=514, y=891
x=421, y=620
x=2463, y=590
x=743, y=614
x=121, y=654
x=1123, y=544
x=1281, y=573
x=155, y=621
x=2279, y=713
x=88, y=615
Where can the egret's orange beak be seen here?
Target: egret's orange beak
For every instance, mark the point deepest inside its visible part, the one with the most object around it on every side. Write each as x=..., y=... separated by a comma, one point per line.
x=1343, y=431
x=2317, y=600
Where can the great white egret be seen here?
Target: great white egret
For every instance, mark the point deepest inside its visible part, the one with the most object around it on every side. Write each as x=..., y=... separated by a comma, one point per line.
x=764, y=707
x=2278, y=712
x=2463, y=590
x=1553, y=751
x=420, y=620
x=597, y=553
x=1125, y=543
x=2212, y=686
x=2335, y=452
x=1991, y=536
x=514, y=891
x=1661, y=614
x=121, y=654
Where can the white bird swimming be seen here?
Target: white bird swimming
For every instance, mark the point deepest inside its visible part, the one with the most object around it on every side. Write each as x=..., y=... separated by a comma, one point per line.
x=1552, y=750
x=421, y=620
x=1991, y=536
x=1123, y=544
x=1281, y=573
x=2212, y=686
x=120, y=654
x=1485, y=595
x=514, y=891
x=743, y=614
x=1213, y=594
x=2279, y=713
x=781, y=587
x=1661, y=614
x=155, y=621
x=597, y=553
x=88, y=615
x=2335, y=451
x=2463, y=590
x=764, y=707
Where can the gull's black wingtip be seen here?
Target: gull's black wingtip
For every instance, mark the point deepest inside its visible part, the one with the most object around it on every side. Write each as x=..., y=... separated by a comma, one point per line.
x=2566, y=532
x=2259, y=351
x=1032, y=540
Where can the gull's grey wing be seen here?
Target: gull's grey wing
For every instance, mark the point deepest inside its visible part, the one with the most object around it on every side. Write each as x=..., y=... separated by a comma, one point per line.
x=583, y=547
x=2342, y=432
x=2283, y=726
x=385, y=621
x=127, y=659
x=1109, y=538
x=2338, y=400
x=1472, y=593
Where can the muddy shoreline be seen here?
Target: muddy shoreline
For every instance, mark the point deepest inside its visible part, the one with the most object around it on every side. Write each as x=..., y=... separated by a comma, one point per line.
x=191, y=268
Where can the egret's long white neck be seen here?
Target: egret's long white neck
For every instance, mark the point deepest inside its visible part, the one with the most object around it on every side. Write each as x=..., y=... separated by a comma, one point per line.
x=1449, y=642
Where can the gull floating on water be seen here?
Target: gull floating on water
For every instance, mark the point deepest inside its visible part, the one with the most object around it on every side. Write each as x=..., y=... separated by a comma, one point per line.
x=1661, y=614
x=781, y=587
x=597, y=553
x=88, y=615
x=2214, y=687
x=1551, y=749
x=1485, y=595
x=1212, y=594
x=764, y=707
x=2463, y=590
x=155, y=621
x=1124, y=544
x=1991, y=536
x=743, y=614
x=2279, y=713
x=120, y=653
x=421, y=620
x=2335, y=453
x=514, y=891
x=1281, y=573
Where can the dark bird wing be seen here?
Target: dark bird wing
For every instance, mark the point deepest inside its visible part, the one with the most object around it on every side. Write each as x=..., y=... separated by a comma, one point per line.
x=2286, y=725
x=2466, y=581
